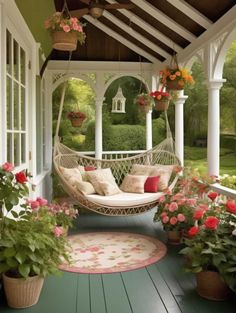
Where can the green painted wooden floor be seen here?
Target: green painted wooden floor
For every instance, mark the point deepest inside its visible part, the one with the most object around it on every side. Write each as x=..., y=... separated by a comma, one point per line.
x=159, y=288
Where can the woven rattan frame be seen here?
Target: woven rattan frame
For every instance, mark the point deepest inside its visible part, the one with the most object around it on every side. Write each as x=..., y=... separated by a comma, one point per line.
x=66, y=157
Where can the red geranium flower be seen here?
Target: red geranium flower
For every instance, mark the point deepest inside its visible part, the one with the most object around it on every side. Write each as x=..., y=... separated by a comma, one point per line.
x=198, y=214
x=212, y=195
x=193, y=231
x=21, y=177
x=231, y=206
x=211, y=222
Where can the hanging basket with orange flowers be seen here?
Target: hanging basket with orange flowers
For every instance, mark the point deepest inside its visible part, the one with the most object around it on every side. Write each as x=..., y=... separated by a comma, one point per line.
x=175, y=78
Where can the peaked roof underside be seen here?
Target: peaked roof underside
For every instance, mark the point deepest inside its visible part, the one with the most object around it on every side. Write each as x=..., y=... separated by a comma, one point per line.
x=150, y=31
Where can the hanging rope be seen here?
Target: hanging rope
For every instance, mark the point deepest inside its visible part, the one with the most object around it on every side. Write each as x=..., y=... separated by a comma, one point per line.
x=56, y=138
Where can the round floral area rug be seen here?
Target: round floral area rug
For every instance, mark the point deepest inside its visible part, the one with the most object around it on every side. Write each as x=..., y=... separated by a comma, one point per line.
x=110, y=252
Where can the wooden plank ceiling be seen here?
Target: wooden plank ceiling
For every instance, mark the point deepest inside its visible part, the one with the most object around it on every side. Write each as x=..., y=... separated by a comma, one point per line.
x=149, y=31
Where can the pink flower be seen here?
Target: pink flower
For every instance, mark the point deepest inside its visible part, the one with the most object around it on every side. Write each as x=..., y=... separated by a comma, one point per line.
x=163, y=214
x=191, y=201
x=203, y=207
x=58, y=231
x=66, y=28
x=231, y=206
x=162, y=199
x=47, y=24
x=211, y=222
x=181, y=217
x=8, y=167
x=165, y=219
x=173, y=220
x=182, y=201
x=173, y=207
x=177, y=196
x=42, y=201
x=33, y=204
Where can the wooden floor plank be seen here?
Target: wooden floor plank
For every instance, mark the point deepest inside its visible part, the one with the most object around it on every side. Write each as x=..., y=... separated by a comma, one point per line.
x=142, y=293
x=115, y=294
x=83, y=294
x=97, y=294
x=163, y=290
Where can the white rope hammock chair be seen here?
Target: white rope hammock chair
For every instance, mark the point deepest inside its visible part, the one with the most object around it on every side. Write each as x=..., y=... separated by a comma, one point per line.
x=163, y=154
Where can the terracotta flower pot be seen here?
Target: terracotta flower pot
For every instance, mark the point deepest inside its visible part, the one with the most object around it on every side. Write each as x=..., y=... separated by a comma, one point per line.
x=210, y=286
x=174, y=85
x=22, y=293
x=161, y=105
x=77, y=122
x=144, y=108
x=64, y=41
x=174, y=237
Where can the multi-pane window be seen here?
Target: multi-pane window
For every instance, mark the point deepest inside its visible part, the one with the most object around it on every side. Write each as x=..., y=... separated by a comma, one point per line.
x=15, y=101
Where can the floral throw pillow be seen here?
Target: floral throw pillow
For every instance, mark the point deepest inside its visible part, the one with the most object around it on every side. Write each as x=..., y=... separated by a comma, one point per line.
x=133, y=183
x=99, y=176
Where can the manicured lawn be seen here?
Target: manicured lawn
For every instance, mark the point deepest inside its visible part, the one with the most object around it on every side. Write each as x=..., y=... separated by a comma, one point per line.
x=197, y=158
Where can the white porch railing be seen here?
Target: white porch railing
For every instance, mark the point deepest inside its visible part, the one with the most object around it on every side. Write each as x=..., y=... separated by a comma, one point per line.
x=224, y=190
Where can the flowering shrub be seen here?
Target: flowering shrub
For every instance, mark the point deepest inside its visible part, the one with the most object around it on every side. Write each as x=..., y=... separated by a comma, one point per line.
x=211, y=243
x=59, y=22
x=160, y=95
x=182, y=76
x=144, y=100
x=13, y=187
x=76, y=115
x=30, y=243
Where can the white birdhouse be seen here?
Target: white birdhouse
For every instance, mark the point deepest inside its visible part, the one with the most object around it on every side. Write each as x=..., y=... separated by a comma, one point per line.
x=118, y=102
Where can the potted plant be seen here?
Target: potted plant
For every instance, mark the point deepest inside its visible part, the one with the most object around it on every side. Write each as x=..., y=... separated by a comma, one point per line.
x=65, y=31
x=31, y=245
x=175, y=212
x=162, y=99
x=174, y=77
x=144, y=102
x=76, y=118
x=206, y=250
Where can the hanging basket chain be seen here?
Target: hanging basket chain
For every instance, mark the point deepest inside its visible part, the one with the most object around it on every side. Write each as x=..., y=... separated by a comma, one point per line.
x=65, y=11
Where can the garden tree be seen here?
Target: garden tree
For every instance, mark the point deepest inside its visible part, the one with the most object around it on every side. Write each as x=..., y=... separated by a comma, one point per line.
x=228, y=92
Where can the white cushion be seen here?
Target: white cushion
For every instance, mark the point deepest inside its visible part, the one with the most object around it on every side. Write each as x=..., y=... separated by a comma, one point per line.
x=125, y=199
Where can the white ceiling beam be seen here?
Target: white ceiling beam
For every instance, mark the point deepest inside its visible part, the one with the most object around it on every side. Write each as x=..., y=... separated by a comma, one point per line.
x=135, y=34
x=164, y=19
x=121, y=39
x=134, y=19
x=191, y=12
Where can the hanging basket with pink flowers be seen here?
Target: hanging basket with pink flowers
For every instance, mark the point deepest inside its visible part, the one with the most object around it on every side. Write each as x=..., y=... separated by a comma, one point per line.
x=65, y=30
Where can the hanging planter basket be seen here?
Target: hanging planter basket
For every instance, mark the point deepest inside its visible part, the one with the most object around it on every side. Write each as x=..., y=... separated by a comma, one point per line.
x=174, y=85
x=77, y=122
x=144, y=108
x=64, y=41
x=161, y=105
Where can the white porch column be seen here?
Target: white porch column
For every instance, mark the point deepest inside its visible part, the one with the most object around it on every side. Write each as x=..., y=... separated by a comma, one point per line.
x=98, y=128
x=179, y=126
x=213, y=133
x=149, y=130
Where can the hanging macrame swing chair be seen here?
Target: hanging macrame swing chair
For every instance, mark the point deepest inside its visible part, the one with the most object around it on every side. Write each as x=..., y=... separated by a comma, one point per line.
x=123, y=203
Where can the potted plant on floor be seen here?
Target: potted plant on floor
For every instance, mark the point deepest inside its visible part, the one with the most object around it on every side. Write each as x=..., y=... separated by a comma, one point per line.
x=206, y=250
x=31, y=245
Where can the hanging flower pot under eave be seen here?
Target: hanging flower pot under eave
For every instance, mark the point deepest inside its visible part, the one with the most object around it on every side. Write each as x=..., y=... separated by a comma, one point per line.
x=161, y=105
x=64, y=41
x=77, y=122
x=174, y=85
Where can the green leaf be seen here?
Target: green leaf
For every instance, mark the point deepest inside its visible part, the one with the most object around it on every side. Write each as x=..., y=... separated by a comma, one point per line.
x=20, y=256
x=9, y=252
x=14, y=214
x=12, y=263
x=24, y=270
x=36, y=269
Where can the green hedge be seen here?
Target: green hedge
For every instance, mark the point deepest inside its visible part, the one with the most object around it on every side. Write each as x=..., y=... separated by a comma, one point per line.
x=228, y=141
